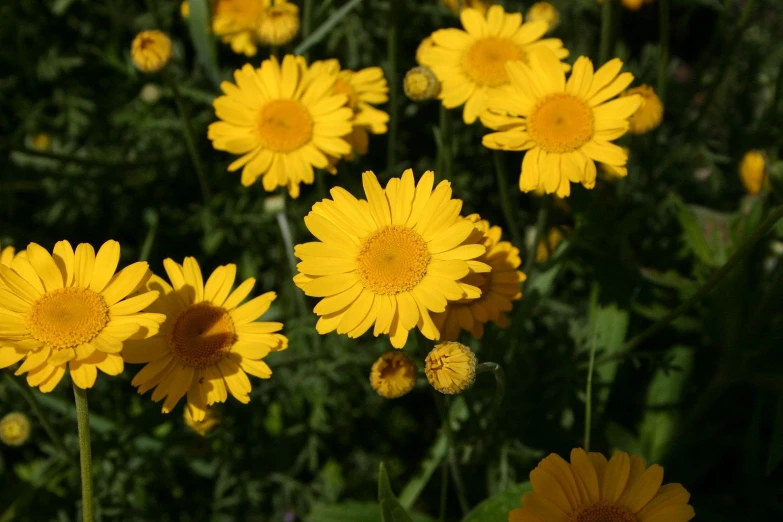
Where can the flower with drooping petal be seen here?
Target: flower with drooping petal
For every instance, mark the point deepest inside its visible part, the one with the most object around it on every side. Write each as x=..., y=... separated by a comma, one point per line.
x=387, y=261
x=209, y=340
x=70, y=310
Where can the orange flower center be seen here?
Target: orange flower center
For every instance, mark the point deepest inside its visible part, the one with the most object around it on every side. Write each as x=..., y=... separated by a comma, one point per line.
x=485, y=61
x=603, y=512
x=202, y=335
x=68, y=317
x=284, y=126
x=393, y=259
x=561, y=123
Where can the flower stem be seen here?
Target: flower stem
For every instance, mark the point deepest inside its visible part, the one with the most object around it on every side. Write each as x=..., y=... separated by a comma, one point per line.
x=500, y=384
x=446, y=160
x=711, y=283
x=288, y=244
x=589, y=390
x=505, y=199
x=459, y=486
x=307, y=19
x=444, y=491
x=541, y=220
x=664, y=16
x=85, y=453
x=607, y=45
x=190, y=141
x=36, y=407
x=392, y=50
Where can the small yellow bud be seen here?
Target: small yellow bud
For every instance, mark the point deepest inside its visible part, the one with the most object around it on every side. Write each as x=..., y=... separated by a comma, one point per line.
x=450, y=368
x=393, y=375
x=14, y=429
x=753, y=171
x=545, y=12
x=278, y=24
x=421, y=84
x=151, y=51
x=649, y=114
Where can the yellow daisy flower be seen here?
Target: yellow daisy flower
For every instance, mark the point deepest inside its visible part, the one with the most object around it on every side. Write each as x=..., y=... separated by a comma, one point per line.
x=650, y=113
x=456, y=5
x=14, y=429
x=202, y=427
x=282, y=125
x=208, y=341
x=389, y=260
x=471, y=63
x=752, y=171
x=278, y=23
x=151, y=51
x=499, y=287
x=425, y=44
x=71, y=309
x=6, y=256
x=393, y=375
x=590, y=489
x=565, y=127
x=450, y=368
x=612, y=173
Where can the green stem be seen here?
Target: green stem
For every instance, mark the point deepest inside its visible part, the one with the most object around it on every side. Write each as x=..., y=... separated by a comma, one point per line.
x=726, y=57
x=85, y=453
x=288, y=244
x=307, y=19
x=500, y=384
x=36, y=407
x=444, y=491
x=190, y=141
x=589, y=390
x=606, y=32
x=392, y=50
x=538, y=235
x=149, y=240
x=505, y=199
x=711, y=283
x=446, y=162
x=459, y=486
x=664, y=15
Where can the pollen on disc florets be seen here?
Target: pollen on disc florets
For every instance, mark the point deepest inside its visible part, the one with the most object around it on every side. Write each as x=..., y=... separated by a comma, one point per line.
x=68, y=317
x=393, y=259
x=284, y=125
x=603, y=512
x=561, y=123
x=202, y=335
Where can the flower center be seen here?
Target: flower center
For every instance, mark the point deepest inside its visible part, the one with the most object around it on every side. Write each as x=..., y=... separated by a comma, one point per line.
x=68, y=317
x=341, y=86
x=284, y=125
x=392, y=260
x=561, y=123
x=603, y=512
x=12, y=430
x=485, y=61
x=202, y=335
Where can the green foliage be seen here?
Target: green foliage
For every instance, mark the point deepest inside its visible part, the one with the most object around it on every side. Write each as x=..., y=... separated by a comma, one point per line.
x=497, y=507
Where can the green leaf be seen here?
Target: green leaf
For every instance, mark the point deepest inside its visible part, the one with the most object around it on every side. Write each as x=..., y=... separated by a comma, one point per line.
x=325, y=28
x=496, y=508
x=416, y=485
x=391, y=510
x=200, y=34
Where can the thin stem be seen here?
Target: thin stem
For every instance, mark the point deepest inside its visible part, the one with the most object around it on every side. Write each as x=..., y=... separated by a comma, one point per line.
x=446, y=161
x=726, y=56
x=307, y=19
x=392, y=45
x=85, y=453
x=149, y=240
x=505, y=199
x=606, y=32
x=538, y=235
x=444, y=491
x=589, y=390
x=711, y=283
x=43, y=419
x=459, y=486
x=288, y=244
x=664, y=16
x=500, y=383
x=190, y=141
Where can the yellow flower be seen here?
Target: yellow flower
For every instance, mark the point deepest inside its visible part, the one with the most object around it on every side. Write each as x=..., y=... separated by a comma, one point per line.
x=753, y=171
x=42, y=142
x=389, y=260
x=282, y=125
x=450, y=368
x=71, y=309
x=393, y=375
x=151, y=51
x=420, y=84
x=612, y=172
x=236, y=23
x=649, y=114
x=208, y=342
x=498, y=288
x=547, y=246
x=460, y=5
x=471, y=63
x=425, y=44
x=590, y=489
x=545, y=12
x=6, y=256
x=202, y=427
x=278, y=24
x=14, y=429
x=565, y=127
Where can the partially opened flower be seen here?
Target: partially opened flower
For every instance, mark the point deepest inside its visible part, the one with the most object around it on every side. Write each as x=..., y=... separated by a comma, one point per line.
x=209, y=341
x=278, y=23
x=282, y=126
x=14, y=429
x=387, y=261
x=564, y=126
x=450, y=368
x=590, y=489
x=393, y=375
x=151, y=51
x=649, y=115
x=70, y=310
x=499, y=287
x=471, y=62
